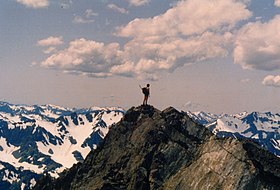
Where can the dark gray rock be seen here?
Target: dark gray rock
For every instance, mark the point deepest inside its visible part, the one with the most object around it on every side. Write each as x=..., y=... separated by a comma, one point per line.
x=149, y=149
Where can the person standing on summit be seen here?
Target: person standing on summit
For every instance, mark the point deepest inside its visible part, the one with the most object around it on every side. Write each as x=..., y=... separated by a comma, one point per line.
x=146, y=92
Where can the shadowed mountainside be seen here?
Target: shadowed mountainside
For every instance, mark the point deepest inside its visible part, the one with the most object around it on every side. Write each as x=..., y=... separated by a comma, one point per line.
x=150, y=149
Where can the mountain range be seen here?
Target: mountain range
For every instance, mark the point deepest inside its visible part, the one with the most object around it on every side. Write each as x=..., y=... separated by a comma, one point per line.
x=47, y=139
x=263, y=128
x=167, y=150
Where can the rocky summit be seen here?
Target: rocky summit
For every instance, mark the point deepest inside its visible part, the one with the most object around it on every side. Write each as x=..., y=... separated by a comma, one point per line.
x=152, y=149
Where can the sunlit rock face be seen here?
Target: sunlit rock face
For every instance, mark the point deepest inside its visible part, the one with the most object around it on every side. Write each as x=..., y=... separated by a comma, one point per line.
x=152, y=149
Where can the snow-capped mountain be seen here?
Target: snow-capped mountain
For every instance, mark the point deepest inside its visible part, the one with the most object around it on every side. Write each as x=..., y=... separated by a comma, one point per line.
x=47, y=139
x=261, y=127
x=152, y=149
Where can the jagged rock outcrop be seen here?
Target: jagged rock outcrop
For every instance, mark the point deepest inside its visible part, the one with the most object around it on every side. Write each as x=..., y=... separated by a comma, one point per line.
x=149, y=149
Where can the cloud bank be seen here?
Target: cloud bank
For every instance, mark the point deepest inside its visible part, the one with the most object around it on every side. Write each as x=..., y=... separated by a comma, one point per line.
x=258, y=45
x=188, y=18
x=86, y=57
x=190, y=32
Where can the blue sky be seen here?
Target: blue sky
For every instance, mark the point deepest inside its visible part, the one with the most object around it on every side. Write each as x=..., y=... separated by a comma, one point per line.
x=216, y=56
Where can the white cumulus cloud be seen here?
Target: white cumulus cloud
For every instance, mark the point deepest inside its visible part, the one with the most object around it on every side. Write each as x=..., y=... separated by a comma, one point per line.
x=258, y=45
x=271, y=80
x=189, y=17
x=86, y=57
x=51, y=41
x=34, y=3
x=191, y=31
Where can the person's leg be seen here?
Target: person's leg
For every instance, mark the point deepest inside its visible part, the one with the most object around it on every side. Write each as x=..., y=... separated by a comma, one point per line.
x=145, y=100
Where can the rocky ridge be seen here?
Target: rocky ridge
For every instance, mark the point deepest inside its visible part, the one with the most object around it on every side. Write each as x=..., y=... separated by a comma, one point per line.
x=150, y=149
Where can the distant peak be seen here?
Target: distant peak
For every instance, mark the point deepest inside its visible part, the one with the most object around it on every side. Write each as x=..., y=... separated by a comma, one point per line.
x=52, y=106
x=3, y=103
x=170, y=110
x=93, y=108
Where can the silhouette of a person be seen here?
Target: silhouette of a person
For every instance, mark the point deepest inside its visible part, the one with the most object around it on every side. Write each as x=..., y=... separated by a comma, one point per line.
x=146, y=92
